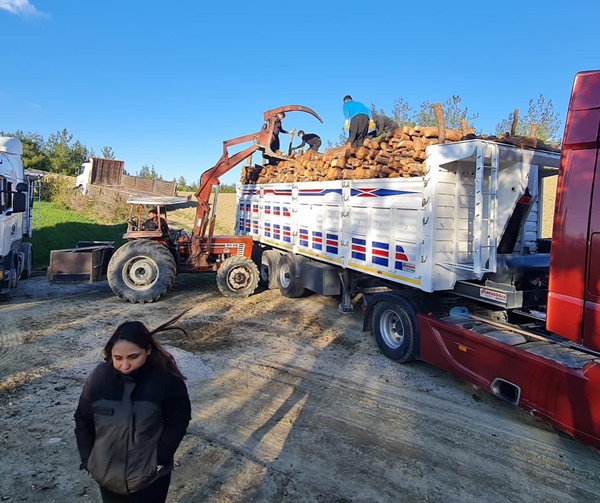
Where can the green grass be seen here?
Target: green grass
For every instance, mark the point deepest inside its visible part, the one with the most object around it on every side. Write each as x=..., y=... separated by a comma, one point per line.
x=56, y=228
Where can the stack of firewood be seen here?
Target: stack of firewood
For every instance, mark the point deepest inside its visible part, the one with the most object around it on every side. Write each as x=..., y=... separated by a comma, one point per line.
x=401, y=154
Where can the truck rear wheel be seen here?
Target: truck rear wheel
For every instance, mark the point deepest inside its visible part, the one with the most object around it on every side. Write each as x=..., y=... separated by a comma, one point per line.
x=395, y=328
x=289, y=277
x=141, y=271
x=269, y=266
x=237, y=277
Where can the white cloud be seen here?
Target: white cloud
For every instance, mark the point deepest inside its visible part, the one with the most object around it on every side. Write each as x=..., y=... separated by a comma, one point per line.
x=19, y=7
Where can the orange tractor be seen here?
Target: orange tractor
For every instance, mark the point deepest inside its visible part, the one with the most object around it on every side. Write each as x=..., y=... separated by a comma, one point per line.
x=145, y=267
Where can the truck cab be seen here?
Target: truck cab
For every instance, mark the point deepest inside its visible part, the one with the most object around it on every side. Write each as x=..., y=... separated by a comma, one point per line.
x=15, y=216
x=84, y=175
x=574, y=288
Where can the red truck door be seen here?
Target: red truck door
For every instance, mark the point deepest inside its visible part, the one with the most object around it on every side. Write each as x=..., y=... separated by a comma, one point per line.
x=591, y=314
x=573, y=298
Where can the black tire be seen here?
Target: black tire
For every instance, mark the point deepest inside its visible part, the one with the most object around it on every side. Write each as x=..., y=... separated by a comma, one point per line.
x=288, y=276
x=141, y=271
x=269, y=267
x=13, y=278
x=396, y=331
x=257, y=252
x=27, y=250
x=237, y=277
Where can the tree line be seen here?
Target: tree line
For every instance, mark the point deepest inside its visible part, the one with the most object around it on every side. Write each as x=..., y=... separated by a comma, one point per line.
x=62, y=154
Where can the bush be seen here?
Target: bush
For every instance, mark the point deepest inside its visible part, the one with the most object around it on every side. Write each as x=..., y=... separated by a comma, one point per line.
x=106, y=207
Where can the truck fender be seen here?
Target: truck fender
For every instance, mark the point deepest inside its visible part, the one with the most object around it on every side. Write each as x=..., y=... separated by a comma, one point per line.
x=413, y=297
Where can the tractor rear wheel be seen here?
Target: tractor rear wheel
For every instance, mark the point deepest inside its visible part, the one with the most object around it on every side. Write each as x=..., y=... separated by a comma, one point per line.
x=237, y=277
x=141, y=271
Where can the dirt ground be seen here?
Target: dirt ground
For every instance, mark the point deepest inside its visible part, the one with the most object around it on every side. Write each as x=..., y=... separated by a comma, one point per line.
x=292, y=402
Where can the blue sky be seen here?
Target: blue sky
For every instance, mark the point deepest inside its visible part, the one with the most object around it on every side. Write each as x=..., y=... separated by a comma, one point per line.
x=165, y=83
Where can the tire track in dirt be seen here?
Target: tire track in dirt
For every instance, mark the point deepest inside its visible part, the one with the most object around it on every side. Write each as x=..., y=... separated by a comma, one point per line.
x=396, y=440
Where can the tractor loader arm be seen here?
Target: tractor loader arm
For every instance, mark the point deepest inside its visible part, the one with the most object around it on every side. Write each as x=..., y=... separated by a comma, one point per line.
x=261, y=141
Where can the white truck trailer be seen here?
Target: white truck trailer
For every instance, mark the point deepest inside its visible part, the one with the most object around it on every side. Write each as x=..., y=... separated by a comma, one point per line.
x=459, y=228
x=16, y=216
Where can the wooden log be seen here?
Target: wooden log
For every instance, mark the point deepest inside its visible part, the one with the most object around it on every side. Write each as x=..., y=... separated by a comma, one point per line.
x=333, y=174
x=453, y=135
x=382, y=159
x=418, y=144
x=438, y=111
x=362, y=152
x=431, y=132
x=515, y=123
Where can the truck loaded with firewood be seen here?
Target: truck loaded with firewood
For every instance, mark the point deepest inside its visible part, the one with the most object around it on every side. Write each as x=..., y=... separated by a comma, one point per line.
x=439, y=235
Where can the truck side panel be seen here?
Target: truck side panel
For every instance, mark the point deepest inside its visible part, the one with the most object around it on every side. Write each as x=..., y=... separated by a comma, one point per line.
x=427, y=232
x=561, y=386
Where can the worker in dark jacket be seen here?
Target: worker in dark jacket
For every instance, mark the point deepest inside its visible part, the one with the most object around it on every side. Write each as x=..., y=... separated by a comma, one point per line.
x=155, y=223
x=384, y=127
x=312, y=140
x=277, y=128
x=357, y=121
x=132, y=415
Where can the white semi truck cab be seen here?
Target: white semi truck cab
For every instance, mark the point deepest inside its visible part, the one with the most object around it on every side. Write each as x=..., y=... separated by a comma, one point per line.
x=16, y=205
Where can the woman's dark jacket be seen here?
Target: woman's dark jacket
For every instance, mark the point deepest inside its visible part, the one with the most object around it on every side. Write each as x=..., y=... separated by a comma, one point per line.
x=127, y=425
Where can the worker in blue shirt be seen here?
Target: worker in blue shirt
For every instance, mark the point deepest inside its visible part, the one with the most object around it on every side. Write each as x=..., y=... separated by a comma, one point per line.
x=357, y=120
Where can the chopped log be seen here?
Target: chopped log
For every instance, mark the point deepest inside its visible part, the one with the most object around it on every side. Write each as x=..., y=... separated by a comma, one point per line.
x=362, y=152
x=534, y=130
x=438, y=111
x=431, y=132
x=464, y=127
x=333, y=174
x=515, y=122
x=453, y=135
x=381, y=159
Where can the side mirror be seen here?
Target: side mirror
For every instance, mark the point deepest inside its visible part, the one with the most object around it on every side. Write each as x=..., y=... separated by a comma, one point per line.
x=22, y=187
x=19, y=202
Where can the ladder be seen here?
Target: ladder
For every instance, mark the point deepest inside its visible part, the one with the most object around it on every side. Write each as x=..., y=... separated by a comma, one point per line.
x=33, y=218
x=486, y=210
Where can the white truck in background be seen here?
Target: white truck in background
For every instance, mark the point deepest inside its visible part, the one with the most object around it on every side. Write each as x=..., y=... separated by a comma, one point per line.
x=98, y=175
x=16, y=216
x=98, y=171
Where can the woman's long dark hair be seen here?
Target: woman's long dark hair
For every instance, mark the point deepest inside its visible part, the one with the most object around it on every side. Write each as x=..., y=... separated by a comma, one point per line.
x=137, y=333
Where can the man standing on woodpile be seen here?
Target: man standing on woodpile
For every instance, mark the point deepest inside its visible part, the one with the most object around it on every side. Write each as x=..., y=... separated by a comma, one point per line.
x=357, y=121
x=384, y=127
x=312, y=140
x=276, y=130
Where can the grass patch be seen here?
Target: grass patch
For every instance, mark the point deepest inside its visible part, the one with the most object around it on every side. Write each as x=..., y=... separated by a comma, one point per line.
x=58, y=228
